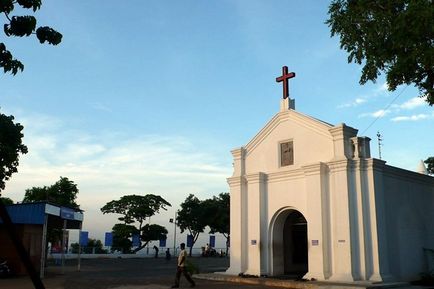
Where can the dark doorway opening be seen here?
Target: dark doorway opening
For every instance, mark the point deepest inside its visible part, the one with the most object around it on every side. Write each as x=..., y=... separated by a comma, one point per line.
x=295, y=246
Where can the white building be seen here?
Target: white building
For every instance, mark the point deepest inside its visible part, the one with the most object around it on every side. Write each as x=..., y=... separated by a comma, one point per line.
x=307, y=199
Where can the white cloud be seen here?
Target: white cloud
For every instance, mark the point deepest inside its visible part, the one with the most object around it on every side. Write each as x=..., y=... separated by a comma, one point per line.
x=354, y=103
x=378, y=91
x=415, y=117
x=375, y=114
x=412, y=103
x=383, y=88
x=106, y=166
x=100, y=106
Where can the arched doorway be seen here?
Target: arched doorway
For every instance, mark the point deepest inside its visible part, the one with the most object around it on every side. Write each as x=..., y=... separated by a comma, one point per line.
x=290, y=245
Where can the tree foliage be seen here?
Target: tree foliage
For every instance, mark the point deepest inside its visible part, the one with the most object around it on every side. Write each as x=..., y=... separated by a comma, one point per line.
x=23, y=26
x=122, y=234
x=218, y=215
x=152, y=232
x=94, y=246
x=391, y=36
x=63, y=193
x=6, y=201
x=192, y=217
x=11, y=147
x=135, y=209
x=430, y=165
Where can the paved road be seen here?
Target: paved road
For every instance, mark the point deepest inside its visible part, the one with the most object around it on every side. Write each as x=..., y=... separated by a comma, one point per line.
x=143, y=273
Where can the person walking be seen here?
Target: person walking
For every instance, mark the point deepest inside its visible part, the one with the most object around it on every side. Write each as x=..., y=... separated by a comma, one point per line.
x=181, y=268
x=168, y=256
x=156, y=251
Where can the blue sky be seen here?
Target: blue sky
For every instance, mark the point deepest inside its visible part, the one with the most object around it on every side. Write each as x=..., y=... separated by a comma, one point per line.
x=151, y=96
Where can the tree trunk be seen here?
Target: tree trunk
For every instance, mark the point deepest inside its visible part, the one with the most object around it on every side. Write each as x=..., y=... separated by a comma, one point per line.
x=227, y=245
x=140, y=247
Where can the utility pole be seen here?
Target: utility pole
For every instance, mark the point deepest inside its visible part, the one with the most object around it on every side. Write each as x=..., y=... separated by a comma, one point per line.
x=380, y=144
x=174, y=234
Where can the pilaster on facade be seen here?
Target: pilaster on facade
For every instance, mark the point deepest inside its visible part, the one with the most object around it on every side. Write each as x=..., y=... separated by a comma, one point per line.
x=238, y=230
x=378, y=233
x=342, y=135
x=318, y=216
x=239, y=161
x=341, y=208
x=257, y=224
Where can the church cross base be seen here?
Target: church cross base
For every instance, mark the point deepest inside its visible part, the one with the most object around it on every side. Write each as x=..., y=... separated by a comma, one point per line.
x=286, y=104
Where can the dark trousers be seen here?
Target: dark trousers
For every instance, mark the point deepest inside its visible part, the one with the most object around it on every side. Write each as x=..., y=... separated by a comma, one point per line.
x=182, y=270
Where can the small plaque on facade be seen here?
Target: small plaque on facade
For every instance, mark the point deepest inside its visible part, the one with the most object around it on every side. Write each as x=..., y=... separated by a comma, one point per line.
x=286, y=153
x=315, y=242
x=341, y=241
x=252, y=242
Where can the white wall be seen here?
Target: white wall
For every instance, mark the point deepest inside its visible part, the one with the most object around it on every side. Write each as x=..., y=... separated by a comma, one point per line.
x=409, y=209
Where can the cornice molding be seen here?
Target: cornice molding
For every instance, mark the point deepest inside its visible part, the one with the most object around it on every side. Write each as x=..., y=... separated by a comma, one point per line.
x=375, y=164
x=339, y=165
x=314, y=169
x=254, y=178
x=238, y=153
x=285, y=175
x=235, y=181
x=408, y=175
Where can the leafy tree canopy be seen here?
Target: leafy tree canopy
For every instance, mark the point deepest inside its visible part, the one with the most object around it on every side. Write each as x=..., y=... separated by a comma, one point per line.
x=218, y=214
x=430, y=165
x=6, y=201
x=94, y=246
x=391, y=36
x=11, y=147
x=152, y=232
x=122, y=234
x=192, y=217
x=136, y=209
x=63, y=193
x=23, y=26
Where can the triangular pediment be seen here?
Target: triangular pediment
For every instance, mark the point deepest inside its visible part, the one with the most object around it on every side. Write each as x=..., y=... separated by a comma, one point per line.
x=299, y=119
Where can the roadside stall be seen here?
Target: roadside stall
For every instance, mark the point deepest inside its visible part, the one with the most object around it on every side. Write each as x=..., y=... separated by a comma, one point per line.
x=32, y=221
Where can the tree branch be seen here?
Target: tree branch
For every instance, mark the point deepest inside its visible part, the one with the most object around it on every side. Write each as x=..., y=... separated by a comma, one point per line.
x=7, y=16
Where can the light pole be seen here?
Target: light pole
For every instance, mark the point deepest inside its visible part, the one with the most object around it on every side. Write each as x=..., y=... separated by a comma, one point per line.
x=174, y=234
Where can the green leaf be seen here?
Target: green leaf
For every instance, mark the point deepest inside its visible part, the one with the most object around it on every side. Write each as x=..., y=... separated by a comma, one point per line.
x=6, y=6
x=7, y=62
x=48, y=34
x=34, y=4
x=20, y=26
x=11, y=146
x=395, y=37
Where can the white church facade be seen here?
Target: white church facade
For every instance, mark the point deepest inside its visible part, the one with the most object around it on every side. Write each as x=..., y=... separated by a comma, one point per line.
x=308, y=200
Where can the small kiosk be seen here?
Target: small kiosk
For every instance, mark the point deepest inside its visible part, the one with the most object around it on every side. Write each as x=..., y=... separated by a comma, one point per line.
x=32, y=221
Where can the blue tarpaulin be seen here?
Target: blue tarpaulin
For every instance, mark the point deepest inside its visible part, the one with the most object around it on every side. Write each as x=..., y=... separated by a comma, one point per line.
x=136, y=240
x=84, y=238
x=212, y=241
x=162, y=243
x=189, y=241
x=108, y=241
